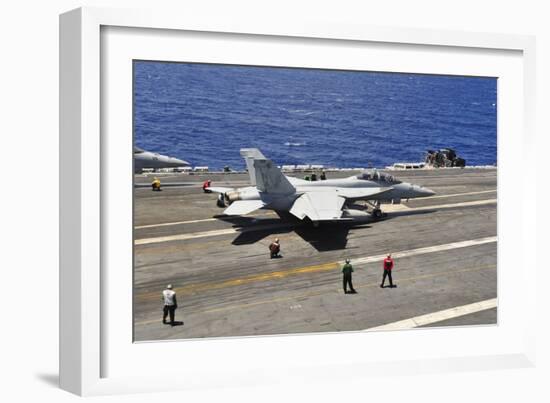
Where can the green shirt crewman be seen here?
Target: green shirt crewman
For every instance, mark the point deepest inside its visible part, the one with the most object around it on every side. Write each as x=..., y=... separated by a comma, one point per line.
x=347, y=270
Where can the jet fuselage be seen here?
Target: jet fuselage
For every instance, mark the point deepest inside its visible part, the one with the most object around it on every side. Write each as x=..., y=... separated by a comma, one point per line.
x=399, y=190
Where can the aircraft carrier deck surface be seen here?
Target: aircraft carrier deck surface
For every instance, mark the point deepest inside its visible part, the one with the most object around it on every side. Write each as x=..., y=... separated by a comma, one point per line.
x=444, y=248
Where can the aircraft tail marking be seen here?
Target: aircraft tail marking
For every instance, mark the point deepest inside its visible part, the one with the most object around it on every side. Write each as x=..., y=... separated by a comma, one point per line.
x=270, y=179
x=264, y=174
x=249, y=155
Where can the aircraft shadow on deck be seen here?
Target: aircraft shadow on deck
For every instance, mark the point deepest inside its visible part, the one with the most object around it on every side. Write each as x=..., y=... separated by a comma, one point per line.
x=326, y=237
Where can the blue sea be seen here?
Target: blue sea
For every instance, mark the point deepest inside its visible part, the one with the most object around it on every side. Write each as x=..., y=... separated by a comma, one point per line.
x=204, y=113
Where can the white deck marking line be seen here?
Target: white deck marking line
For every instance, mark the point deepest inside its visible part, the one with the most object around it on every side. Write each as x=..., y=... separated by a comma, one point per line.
x=439, y=316
x=395, y=208
x=463, y=204
x=166, y=224
x=428, y=249
x=463, y=194
x=204, y=234
x=183, y=237
x=175, y=223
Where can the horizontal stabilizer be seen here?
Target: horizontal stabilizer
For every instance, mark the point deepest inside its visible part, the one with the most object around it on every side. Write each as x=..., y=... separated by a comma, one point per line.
x=318, y=206
x=219, y=189
x=362, y=193
x=242, y=207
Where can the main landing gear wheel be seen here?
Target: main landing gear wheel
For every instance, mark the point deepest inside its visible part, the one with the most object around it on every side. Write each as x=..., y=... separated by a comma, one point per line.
x=221, y=201
x=376, y=213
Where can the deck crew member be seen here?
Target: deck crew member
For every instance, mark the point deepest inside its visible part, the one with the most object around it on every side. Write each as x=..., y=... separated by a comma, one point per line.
x=170, y=304
x=387, y=265
x=156, y=184
x=275, y=248
x=206, y=185
x=347, y=269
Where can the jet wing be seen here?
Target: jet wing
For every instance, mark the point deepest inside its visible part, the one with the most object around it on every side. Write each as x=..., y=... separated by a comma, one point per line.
x=318, y=206
x=242, y=207
x=362, y=193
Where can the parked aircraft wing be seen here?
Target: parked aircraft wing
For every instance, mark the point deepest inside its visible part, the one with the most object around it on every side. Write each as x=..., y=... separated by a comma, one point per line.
x=318, y=206
x=242, y=207
x=219, y=189
x=362, y=193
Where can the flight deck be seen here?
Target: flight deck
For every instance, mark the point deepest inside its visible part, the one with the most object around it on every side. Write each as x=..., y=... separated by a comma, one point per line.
x=444, y=248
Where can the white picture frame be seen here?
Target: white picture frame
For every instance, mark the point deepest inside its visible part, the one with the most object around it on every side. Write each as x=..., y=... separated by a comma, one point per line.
x=97, y=357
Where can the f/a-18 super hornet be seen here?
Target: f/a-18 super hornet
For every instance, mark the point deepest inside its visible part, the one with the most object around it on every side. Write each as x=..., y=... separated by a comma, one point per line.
x=320, y=201
x=146, y=159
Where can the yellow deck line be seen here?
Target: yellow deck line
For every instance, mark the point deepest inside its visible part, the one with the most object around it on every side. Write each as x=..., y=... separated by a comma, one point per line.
x=327, y=291
x=280, y=274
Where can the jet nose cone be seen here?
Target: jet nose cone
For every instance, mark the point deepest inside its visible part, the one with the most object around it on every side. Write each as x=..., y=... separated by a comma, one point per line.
x=174, y=162
x=425, y=192
x=179, y=162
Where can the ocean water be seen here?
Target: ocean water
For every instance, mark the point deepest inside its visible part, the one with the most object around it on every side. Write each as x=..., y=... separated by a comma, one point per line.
x=205, y=113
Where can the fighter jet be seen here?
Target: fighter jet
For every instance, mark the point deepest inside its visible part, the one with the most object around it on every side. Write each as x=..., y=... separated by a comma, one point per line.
x=320, y=201
x=146, y=159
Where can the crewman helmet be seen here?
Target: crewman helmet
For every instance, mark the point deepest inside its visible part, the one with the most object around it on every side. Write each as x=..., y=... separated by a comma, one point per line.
x=169, y=286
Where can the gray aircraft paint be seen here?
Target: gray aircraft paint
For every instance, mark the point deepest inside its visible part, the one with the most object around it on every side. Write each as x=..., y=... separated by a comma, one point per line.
x=149, y=160
x=326, y=200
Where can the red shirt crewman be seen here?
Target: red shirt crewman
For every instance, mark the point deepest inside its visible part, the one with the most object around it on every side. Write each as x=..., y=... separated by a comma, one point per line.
x=206, y=184
x=387, y=265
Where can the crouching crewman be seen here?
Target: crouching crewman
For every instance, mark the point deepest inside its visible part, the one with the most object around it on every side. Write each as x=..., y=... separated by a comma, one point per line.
x=275, y=249
x=156, y=185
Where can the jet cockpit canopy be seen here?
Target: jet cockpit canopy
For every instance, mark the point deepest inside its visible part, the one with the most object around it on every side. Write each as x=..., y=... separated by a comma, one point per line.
x=374, y=175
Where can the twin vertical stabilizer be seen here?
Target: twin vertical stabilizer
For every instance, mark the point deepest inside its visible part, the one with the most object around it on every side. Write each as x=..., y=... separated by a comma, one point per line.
x=266, y=176
x=249, y=155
